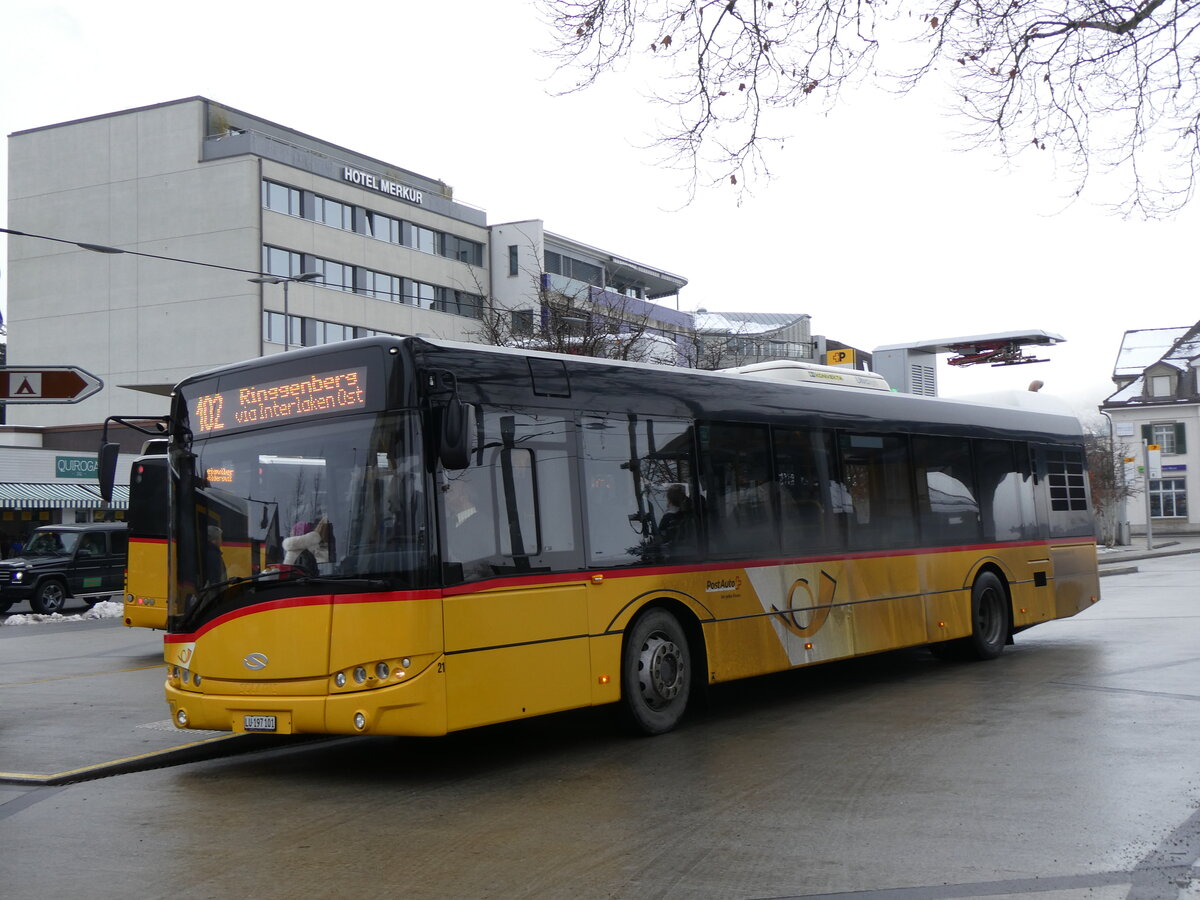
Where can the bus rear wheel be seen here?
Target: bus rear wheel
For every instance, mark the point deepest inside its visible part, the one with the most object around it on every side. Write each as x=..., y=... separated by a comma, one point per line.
x=656, y=672
x=989, y=618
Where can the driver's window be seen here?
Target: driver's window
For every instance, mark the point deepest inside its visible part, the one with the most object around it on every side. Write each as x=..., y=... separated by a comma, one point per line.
x=91, y=545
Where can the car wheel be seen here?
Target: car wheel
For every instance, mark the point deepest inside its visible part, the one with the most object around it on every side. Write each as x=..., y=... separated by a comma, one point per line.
x=51, y=597
x=6, y=605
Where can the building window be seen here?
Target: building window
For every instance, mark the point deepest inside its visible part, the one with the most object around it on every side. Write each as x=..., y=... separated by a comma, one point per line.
x=460, y=303
x=522, y=321
x=384, y=228
x=281, y=198
x=560, y=264
x=379, y=285
x=332, y=213
x=334, y=275
x=1170, y=436
x=513, y=261
x=424, y=239
x=463, y=250
x=273, y=329
x=1160, y=386
x=281, y=263
x=1168, y=498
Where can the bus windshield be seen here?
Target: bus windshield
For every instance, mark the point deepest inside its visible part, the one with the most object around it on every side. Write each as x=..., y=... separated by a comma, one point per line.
x=336, y=503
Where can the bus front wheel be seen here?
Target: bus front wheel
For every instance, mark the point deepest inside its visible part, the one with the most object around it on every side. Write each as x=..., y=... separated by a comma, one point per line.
x=656, y=672
x=989, y=617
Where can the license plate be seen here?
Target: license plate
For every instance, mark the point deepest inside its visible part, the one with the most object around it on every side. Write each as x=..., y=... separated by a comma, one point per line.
x=258, y=723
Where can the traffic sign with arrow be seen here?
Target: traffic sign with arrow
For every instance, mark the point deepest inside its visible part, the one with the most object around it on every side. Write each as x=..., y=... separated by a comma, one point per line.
x=47, y=384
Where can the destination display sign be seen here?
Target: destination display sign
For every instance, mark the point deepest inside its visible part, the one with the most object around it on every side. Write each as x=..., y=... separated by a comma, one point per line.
x=276, y=402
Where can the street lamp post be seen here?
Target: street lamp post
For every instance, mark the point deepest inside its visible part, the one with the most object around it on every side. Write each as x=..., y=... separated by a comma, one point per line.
x=279, y=279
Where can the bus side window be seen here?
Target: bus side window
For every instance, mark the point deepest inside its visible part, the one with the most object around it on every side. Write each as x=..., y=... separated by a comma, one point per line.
x=739, y=503
x=1006, y=491
x=812, y=504
x=876, y=471
x=512, y=510
x=946, y=503
x=632, y=467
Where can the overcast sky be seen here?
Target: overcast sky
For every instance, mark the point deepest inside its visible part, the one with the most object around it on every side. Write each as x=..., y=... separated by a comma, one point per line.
x=874, y=224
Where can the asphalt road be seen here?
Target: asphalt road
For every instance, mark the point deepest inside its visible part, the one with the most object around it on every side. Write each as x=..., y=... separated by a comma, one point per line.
x=1068, y=768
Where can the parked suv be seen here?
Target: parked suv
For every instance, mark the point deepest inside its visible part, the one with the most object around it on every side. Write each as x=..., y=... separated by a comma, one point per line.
x=63, y=561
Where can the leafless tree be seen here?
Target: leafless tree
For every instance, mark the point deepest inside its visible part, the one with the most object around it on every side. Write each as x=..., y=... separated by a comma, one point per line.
x=1107, y=85
x=581, y=320
x=1106, y=477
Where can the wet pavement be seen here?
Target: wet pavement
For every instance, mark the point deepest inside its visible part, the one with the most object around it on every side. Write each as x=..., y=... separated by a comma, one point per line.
x=1064, y=770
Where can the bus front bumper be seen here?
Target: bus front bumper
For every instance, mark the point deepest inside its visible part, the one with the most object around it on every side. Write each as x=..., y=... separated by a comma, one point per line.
x=414, y=708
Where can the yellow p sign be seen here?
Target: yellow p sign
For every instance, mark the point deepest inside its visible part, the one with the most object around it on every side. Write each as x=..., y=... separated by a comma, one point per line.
x=839, y=357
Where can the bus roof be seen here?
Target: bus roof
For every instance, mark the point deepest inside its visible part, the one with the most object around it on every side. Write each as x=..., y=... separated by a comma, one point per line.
x=654, y=389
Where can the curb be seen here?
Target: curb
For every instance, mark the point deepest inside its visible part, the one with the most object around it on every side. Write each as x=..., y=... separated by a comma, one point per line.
x=1118, y=570
x=1148, y=554
x=199, y=751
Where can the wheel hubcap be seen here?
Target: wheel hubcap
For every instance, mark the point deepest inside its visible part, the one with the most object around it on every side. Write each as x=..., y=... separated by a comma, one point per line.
x=660, y=670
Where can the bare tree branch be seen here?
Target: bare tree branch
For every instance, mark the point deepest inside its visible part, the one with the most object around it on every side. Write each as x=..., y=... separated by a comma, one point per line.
x=1111, y=87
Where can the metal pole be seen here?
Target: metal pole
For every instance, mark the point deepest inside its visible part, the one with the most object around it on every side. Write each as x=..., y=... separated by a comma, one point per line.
x=287, y=325
x=1146, y=469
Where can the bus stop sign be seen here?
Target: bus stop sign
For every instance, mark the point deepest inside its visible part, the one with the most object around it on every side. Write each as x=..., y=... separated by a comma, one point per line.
x=47, y=384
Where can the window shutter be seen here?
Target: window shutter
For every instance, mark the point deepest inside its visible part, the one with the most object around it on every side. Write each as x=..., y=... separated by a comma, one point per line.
x=1180, y=438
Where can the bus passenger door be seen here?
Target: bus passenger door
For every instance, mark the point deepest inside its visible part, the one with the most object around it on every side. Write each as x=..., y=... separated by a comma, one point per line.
x=516, y=636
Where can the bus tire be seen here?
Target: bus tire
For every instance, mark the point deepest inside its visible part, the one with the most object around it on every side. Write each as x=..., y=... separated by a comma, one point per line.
x=990, y=620
x=656, y=672
x=51, y=597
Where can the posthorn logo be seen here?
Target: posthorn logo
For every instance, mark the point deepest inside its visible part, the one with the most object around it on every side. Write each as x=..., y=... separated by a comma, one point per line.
x=255, y=661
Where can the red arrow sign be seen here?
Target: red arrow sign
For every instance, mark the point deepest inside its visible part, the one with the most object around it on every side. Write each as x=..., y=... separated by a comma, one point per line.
x=47, y=384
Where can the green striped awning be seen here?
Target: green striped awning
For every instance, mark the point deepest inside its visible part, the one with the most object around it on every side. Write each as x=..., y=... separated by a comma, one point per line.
x=59, y=496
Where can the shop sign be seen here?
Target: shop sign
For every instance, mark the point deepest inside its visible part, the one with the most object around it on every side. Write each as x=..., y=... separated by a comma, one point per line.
x=75, y=467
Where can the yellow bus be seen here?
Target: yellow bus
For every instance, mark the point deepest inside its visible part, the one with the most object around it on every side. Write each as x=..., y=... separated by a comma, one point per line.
x=146, y=570
x=411, y=537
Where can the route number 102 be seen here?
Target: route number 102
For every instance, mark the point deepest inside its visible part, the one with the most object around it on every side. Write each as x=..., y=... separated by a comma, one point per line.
x=208, y=412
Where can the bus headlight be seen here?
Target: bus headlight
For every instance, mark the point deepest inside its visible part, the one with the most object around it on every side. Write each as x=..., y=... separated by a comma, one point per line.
x=360, y=674
x=340, y=679
x=360, y=721
x=181, y=718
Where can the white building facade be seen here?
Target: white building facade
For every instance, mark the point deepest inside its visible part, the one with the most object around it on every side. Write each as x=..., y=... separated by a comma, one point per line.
x=1158, y=401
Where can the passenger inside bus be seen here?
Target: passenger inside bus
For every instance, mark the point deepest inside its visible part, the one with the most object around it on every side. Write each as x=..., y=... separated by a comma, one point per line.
x=470, y=527
x=214, y=561
x=673, y=525
x=309, y=546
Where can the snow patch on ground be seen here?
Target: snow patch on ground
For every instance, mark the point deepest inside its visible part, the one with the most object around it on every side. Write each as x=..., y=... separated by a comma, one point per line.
x=105, y=609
